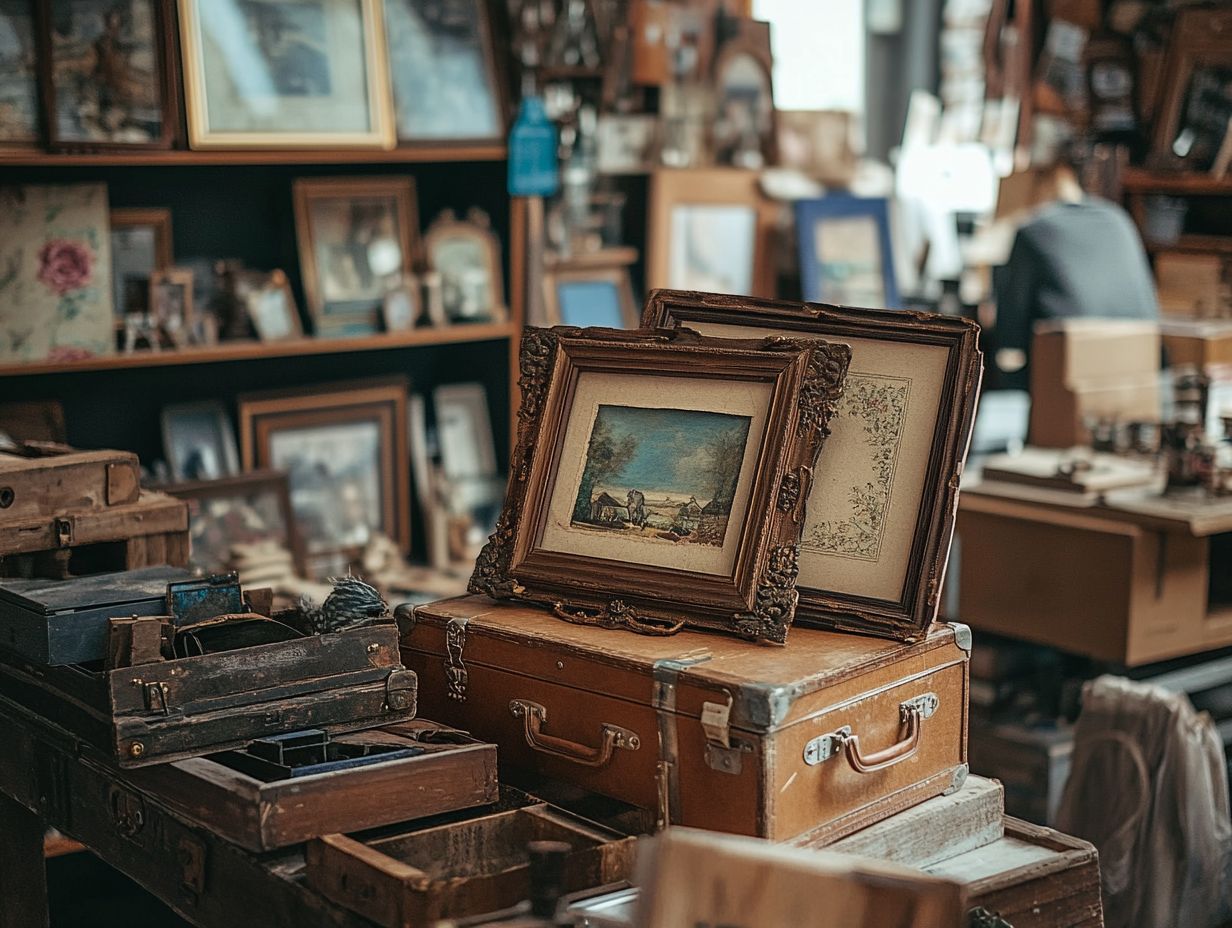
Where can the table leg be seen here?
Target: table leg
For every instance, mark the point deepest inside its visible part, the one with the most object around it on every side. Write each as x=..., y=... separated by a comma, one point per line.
x=23, y=874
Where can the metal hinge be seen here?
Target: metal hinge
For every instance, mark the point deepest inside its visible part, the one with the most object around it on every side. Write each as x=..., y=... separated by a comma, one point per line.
x=455, y=670
x=127, y=812
x=980, y=917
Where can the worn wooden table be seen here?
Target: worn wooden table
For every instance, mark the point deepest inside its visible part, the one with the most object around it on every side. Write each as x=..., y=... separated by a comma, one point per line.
x=49, y=778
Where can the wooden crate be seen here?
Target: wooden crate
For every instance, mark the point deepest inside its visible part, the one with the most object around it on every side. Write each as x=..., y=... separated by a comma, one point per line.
x=54, y=480
x=453, y=772
x=175, y=709
x=672, y=724
x=461, y=868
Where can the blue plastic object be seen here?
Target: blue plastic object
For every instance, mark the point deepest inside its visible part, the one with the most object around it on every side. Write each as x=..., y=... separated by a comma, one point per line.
x=533, y=170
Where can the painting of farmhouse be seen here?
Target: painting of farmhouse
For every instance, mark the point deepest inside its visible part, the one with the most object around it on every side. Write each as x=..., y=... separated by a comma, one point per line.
x=662, y=474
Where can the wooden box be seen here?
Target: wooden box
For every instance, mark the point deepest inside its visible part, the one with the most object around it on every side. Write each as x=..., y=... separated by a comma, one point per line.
x=829, y=733
x=65, y=621
x=461, y=868
x=53, y=479
x=1033, y=877
x=451, y=771
x=174, y=709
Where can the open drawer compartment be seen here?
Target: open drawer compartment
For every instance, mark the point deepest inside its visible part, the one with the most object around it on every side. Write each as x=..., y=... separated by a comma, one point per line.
x=462, y=868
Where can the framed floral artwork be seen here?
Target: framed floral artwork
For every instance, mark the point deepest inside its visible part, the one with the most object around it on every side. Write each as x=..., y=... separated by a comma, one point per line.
x=55, y=273
x=880, y=517
x=286, y=74
x=657, y=478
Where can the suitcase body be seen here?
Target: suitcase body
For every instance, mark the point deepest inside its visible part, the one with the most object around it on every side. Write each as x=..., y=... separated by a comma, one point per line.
x=708, y=732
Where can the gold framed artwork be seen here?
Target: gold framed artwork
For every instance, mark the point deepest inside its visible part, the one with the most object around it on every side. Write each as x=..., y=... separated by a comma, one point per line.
x=270, y=305
x=140, y=246
x=710, y=230
x=277, y=74
x=357, y=239
x=881, y=509
x=466, y=253
x=344, y=448
x=648, y=490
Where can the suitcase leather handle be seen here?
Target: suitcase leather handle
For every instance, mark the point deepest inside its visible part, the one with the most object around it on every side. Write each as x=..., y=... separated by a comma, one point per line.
x=913, y=712
x=534, y=716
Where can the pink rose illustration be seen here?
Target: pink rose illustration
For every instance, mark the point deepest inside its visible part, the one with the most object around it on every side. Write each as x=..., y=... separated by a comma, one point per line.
x=64, y=265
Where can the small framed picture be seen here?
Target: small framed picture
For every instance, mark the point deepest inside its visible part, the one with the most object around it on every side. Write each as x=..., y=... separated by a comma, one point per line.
x=20, y=121
x=591, y=290
x=344, y=448
x=1195, y=111
x=171, y=302
x=881, y=512
x=198, y=442
x=446, y=83
x=279, y=74
x=649, y=490
x=846, y=254
x=357, y=240
x=270, y=305
x=626, y=142
x=251, y=509
x=743, y=131
x=402, y=306
x=108, y=74
x=140, y=247
x=466, y=253
x=710, y=230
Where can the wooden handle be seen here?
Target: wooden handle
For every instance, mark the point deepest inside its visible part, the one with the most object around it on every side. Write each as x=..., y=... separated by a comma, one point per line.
x=533, y=717
x=894, y=754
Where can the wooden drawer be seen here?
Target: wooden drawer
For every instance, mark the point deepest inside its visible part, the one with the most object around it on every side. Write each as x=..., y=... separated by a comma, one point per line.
x=460, y=869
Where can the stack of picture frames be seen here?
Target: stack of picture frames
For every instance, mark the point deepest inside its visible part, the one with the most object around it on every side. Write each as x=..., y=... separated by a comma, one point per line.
x=677, y=475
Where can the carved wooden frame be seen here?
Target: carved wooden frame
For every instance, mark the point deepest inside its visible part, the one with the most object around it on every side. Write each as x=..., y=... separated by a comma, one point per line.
x=908, y=617
x=757, y=599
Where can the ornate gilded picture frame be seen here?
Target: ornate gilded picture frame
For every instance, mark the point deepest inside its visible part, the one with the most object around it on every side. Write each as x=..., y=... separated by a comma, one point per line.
x=659, y=477
x=880, y=519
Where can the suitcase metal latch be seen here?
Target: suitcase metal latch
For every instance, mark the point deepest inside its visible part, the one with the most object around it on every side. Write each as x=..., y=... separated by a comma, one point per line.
x=400, y=691
x=722, y=752
x=155, y=696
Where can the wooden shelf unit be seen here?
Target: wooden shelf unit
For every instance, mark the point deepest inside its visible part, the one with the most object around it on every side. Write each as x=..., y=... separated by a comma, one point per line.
x=1139, y=180
x=254, y=351
x=182, y=157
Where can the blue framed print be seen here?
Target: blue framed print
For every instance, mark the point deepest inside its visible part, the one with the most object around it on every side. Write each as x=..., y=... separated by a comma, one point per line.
x=846, y=256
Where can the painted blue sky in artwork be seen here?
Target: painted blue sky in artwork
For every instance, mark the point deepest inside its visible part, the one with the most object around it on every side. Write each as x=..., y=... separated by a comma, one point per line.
x=673, y=446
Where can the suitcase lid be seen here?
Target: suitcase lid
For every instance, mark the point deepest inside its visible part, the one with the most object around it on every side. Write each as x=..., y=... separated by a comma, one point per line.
x=764, y=686
x=48, y=597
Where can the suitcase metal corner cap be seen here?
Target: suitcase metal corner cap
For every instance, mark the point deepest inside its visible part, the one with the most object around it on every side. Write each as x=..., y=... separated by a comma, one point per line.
x=765, y=705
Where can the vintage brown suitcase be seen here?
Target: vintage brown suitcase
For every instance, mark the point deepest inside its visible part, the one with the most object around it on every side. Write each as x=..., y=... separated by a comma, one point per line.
x=461, y=868
x=174, y=709
x=1033, y=877
x=829, y=733
x=431, y=770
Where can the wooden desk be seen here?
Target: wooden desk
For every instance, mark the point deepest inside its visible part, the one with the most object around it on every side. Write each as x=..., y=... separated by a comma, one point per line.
x=47, y=778
x=1123, y=579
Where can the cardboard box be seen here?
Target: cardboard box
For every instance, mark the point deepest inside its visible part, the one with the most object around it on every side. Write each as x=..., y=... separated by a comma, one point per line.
x=1091, y=367
x=1192, y=285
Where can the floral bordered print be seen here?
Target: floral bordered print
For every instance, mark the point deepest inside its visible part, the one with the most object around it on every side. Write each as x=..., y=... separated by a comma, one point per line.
x=879, y=403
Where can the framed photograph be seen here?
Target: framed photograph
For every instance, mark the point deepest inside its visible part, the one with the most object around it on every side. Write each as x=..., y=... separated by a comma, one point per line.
x=626, y=142
x=881, y=511
x=171, y=302
x=248, y=509
x=466, y=253
x=286, y=74
x=710, y=230
x=846, y=255
x=647, y=493
x=140, y=246
x=403, y=305
x=198, y=442
x=469, y=486
x=344, y=449
x=1195, y=113
x=446, y=83
x=270, y=305
x=108, y=76
x=743, y=131
x=55, y=272
x=818, y=143
x=357, y=241
x=591, y=290
x=20, y=115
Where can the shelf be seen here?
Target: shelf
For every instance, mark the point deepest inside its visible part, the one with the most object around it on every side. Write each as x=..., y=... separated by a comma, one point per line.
x=1137, y=180
x=255, y=351
x=1201, y=244
x=178, y=157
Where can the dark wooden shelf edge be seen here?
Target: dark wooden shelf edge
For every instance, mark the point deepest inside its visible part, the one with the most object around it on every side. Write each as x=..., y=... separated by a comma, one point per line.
x=256, y=351
x=1137, y=180
x=180, y=157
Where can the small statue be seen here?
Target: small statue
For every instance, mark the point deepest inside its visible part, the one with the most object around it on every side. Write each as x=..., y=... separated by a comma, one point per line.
x=351, y=603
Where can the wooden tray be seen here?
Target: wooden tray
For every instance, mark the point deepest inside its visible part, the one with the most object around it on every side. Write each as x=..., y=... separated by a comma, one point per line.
x=460, y=869
x=454, y=772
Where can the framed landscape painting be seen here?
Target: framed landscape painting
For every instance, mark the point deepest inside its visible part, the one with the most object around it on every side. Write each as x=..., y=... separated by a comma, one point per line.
x=881, y=508
x=647, y=492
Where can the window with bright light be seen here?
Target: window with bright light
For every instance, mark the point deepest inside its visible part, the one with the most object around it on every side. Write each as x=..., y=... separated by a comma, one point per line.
x=818, y=48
